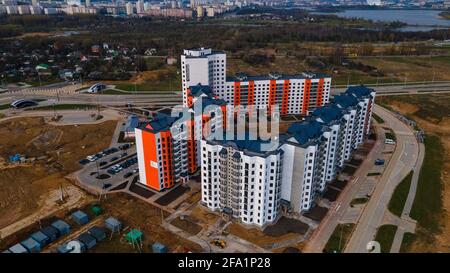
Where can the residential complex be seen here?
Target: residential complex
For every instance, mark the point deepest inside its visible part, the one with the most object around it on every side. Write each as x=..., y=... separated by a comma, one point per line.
x=249, y=178
x=294, y=94
x=251, y=184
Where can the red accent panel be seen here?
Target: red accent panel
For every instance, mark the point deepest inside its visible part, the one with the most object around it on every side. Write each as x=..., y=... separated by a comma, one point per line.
x=306, y=94
x=320, y=92
x=251, y=93
x=272, y=92
x=237, y=93
x=285, y=98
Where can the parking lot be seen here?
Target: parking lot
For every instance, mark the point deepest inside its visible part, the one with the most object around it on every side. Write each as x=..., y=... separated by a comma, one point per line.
x=108, y=168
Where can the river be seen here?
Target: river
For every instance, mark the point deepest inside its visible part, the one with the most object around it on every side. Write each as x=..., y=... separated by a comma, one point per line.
x=417, y=20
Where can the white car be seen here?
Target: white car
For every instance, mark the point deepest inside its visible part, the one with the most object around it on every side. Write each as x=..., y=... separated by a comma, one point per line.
x=389, y=141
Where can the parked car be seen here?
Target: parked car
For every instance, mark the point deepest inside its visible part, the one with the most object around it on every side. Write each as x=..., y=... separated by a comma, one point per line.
x=84, y=161
x=379, y=162
x=127, y=175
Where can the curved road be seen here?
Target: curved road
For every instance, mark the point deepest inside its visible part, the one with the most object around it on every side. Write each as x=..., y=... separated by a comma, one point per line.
x=402, y=162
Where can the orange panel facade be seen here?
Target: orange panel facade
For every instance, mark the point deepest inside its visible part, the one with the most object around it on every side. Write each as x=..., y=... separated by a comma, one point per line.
x=320, y=92
x=306, y=94
x=285, y=98
x=150, y=160
x=237, y=93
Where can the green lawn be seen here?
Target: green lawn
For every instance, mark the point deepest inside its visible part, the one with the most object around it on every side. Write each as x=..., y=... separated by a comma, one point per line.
x=339, y=238
x=390, y=135
x=377, y=118
x=385, y=236
x=64, y=107
x=427, y=208
x=408, y=239
x=4, y=106
x=398, y=198
x=358, y=201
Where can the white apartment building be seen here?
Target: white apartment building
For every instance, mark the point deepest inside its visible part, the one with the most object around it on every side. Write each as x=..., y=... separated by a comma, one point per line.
x=305, y=160
x=294, y=94
x=202, y=66
x=241, y=180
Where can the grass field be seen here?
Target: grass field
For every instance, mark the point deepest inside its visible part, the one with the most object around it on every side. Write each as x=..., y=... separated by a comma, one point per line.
x=377, y=118
x=398, y=198
x=64, y=107
x=4, y=106
x=427, y=206
x=432, y=200
x=412, y=68
x=408, y=239
x=385, y=236
x=339, y=238
x=358, y=201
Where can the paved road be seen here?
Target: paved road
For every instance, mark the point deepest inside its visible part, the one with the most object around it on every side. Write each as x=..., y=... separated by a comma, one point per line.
x=402, y=162
x=409, y=203
x=418, y=88
x=341, y=206
x=61, y=93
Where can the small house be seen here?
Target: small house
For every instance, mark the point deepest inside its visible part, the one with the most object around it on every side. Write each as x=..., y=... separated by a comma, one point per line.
x=98, y=233
x=80, y=217
x=62, y=227
x=87, y=240
x=41, y=238
x=18, y=248
x=31, y=245
x=51, y=232
x=113, y=224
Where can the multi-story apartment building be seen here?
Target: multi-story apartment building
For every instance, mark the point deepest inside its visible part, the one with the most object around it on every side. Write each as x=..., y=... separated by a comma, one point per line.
x=242, y=180
x=294, y=94
x=162, y=152
x=295, y=172
x=168, y=146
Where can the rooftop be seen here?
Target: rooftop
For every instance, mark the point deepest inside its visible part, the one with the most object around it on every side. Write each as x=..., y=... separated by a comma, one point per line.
x=328, y=113
x=161, y=122
x=306, y=131
x=359, y=91
x=242, y=77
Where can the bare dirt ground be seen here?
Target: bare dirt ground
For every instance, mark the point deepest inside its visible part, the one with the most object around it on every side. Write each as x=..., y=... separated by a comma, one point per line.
x=54, y=152
x=136, y=213
x=202, y=215
x=257, y=236
x=438, y=124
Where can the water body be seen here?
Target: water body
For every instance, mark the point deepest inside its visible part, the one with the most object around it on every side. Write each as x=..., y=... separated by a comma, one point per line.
x=417, y=20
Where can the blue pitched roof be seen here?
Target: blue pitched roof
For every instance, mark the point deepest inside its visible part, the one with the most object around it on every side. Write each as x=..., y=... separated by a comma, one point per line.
x=197, y=90
x=345, y=100
x=328, y=113
x=305, y=131
x=209, y=101
x=161, y=122
x=359, y=91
